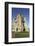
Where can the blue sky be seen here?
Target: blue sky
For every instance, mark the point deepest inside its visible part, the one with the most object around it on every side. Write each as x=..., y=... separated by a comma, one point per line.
x=23, y=11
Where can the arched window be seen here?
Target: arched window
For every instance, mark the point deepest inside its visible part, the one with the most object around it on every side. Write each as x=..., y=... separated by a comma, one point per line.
x=16, y=29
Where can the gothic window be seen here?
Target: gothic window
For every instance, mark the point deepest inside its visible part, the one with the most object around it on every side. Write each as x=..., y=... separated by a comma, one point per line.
x=16, y=29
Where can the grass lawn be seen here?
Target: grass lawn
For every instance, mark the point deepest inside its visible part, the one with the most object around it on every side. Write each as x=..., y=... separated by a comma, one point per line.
x=20, y=34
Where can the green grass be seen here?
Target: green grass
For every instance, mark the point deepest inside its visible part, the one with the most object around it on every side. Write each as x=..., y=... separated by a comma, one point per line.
x=20, y=34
